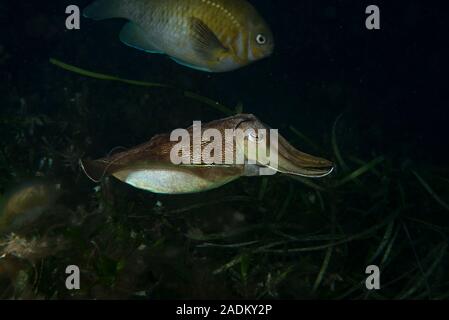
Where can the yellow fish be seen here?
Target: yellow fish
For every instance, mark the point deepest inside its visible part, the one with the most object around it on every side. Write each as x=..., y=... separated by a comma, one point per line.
x=207, y=35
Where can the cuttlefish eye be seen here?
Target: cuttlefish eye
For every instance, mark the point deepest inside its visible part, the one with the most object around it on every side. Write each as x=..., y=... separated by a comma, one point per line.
x=261, y=39
x=256, y=137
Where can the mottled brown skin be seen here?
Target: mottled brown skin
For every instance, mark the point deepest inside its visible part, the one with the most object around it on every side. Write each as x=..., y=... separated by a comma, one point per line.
x=156, y=153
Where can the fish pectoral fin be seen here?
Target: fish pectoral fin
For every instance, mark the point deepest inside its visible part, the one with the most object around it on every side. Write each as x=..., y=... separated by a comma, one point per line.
x=205, y=42
x=134, y=36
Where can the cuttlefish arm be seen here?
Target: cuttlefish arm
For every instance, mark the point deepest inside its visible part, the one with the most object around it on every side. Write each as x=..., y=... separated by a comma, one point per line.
x=149, y=166
x=290, y=160
x=294, y=162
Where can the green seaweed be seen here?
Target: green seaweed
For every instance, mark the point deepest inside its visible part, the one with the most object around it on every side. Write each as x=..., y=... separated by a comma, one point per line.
x=430, y=191
x=360, y=171
x=258, y=238
x=215, y=105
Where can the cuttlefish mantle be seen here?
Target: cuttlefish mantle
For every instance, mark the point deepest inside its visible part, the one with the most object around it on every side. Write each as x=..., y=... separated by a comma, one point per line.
x=150, y=166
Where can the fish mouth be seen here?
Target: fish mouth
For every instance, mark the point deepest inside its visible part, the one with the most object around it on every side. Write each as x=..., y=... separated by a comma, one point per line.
x=294, y=162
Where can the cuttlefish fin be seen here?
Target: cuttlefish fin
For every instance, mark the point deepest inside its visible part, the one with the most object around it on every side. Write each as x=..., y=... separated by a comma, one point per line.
x=175, y=179
x=104, y=9
x=132, y=35
x=163, y=178
x=205, y=42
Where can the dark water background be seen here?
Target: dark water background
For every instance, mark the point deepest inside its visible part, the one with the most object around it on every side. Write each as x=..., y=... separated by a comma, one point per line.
x=390, y=86
x=389, y=83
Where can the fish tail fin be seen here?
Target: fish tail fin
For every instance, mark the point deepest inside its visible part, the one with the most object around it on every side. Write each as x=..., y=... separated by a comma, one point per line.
x=105, y=9
x=94, y=170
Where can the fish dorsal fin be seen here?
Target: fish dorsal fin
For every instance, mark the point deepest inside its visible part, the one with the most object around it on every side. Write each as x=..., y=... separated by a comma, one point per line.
x=134, y=36
x=205, y=42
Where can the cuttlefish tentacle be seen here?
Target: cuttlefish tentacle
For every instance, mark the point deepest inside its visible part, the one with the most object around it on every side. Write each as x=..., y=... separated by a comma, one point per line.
x=149, y=166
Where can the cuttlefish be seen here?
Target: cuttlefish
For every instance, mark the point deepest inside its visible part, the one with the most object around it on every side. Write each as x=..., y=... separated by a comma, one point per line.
x=151, y=166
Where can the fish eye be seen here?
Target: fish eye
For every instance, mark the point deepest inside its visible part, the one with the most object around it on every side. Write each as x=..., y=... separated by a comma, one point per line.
x=261, y=39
